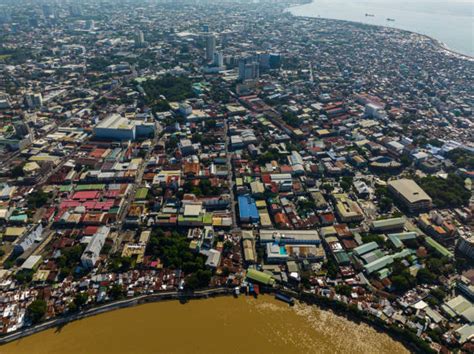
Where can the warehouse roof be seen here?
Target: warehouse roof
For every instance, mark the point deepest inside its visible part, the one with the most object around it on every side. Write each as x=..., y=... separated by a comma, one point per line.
x=365, y=248
x=378, y=264
x=260, y=277
x=247, y=208
x=411, y=191
x=392, y=222
x=439, y=248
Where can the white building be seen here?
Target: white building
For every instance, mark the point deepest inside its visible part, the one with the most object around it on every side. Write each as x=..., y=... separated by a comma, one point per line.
x=116, y=127
x=92, y=251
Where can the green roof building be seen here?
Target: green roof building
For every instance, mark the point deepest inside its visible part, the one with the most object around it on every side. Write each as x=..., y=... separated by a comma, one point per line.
x=260, y=277
x=378, y=264
x=438, y=248
x=365, y=248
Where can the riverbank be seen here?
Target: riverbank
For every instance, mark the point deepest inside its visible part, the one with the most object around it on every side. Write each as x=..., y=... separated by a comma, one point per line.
x=442, y=47
x=120, y=304
x=351, y=312
x=240, y=325
x=414, y=344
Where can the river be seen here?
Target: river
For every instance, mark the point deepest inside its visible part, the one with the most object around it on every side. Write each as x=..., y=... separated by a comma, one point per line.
x=449, y=21
x=218, y=325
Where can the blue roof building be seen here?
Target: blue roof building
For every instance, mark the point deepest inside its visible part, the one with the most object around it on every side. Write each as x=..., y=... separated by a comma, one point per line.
x=248, y=209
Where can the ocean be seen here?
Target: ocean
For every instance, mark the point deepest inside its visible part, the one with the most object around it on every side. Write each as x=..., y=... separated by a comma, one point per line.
x=448, y=21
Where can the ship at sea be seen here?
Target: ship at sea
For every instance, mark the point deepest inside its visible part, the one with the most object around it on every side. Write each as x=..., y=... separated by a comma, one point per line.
x=391, y=19
x=369, y=15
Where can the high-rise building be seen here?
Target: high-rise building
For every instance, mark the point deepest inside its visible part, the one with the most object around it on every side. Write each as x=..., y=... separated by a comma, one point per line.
x=75, y=10
x=4, y=16
x=89, y=25
x=466, y=245
x=139, y=38
x=47, y=11
x=210, y=47
x=34, y=100
x=218, y=59
x=248, y=68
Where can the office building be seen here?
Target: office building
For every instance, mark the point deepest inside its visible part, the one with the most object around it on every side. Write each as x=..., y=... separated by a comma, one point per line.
x=139, y=38
x=248, y=68
x=34, y=100
x=210, y=47
x=218, y=60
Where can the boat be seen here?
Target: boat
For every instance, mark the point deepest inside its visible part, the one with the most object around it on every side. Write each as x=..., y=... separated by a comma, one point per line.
x=285, y=298
x=391, y=19
x=236, y=291
x=369, y=15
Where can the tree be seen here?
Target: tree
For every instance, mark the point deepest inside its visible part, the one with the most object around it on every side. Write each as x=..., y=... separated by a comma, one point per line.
x=174, y=252
x=438, y=293
x=400, y=282
x=344, y=290
x=17, y=171
x=121, y=264
x=385, y=204
x=328, y=188
x=405, y=160
x=80, y=300
x=373, y=238
x=37, y=199
x=332, y=268
x=449, y=192
x=116, y=292
x=36, y=310
x=404, y=281
x=70, y=256
x=462, y=158
x=424, y=276
x=24, y=276
x=346, y=183
x=200, y=279
x=228, y=246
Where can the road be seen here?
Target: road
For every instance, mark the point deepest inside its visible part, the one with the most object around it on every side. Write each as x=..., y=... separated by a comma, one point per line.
x=230, y=176
x=138, y=178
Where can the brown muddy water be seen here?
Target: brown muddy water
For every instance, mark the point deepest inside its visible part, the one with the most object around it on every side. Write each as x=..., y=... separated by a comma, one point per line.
x=218, y=325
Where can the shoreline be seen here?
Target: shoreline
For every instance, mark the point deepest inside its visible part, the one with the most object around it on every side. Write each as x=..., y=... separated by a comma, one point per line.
x=111, y=306
x=306, y=298
x=442, y=47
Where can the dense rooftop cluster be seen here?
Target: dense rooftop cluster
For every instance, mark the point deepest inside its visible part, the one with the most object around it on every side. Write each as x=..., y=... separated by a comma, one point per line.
x=173, y=146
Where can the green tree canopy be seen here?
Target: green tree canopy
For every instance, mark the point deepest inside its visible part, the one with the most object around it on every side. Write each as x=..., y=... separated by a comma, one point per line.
x=36, y=310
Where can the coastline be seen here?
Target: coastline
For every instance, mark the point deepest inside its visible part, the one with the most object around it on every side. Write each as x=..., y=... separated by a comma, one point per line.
x=442, y=47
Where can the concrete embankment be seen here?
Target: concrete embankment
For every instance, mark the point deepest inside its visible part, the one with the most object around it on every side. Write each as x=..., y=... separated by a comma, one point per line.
x=63, y=320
